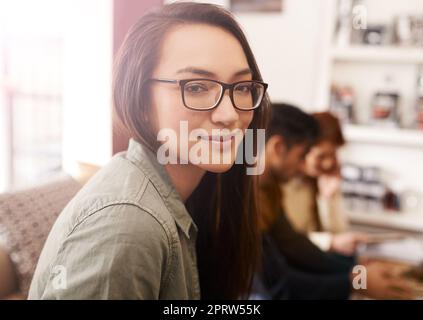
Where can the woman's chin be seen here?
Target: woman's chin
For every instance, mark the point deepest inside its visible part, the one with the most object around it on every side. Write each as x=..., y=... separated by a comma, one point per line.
x=218, y=161
x=216, y=168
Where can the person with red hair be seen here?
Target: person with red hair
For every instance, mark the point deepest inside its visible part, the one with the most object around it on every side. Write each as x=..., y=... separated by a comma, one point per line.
x=312, y=201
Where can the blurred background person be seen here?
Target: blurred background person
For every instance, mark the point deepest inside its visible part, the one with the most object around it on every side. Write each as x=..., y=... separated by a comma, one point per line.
x=292, y=266
x=312, y=200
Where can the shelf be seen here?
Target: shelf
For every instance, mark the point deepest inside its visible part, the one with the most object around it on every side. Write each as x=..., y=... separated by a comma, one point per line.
x=400, y=221
x=378, y=54
x=382, y=135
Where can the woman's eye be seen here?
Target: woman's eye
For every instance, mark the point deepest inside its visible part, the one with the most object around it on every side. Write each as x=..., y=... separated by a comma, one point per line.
x=246, y=88
x=195, y=88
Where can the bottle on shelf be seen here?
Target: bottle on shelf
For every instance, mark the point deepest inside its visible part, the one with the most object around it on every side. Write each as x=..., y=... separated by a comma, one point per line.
x=342, y=103
x=344, y=27
x=373, y=189
x=384, y=111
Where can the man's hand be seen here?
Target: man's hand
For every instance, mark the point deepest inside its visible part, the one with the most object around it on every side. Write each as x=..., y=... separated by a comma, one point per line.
x=346, y=243
x=384, y=282
x=328, y=185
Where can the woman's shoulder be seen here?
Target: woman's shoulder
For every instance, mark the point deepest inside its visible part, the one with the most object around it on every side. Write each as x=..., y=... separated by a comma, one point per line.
x=124, y=222
x=117, y=205
x=126, y=242
x=121, y=184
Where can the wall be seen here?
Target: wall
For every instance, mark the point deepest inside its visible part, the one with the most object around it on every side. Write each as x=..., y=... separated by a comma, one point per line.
x=289, y=48
x=88, y=58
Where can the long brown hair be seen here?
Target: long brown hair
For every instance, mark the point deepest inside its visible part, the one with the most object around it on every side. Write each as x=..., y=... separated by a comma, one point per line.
x=330, y=128
x=223, y=205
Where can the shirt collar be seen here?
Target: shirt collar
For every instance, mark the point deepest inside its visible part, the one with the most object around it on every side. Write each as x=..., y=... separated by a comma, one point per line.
x=146, y=160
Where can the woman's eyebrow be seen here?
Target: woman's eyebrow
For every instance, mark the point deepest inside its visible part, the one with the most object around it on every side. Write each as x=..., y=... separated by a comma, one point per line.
x=243, y=72
x=203, y=72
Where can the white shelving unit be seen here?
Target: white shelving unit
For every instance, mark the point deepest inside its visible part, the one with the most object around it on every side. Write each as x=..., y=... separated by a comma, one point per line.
x=364, y=68
x=378, y=54
x=381, y=135
x=403, y=221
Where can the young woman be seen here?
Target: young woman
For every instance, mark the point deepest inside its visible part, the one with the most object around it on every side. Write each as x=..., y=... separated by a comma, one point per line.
x=139, y=229
x=312, y=201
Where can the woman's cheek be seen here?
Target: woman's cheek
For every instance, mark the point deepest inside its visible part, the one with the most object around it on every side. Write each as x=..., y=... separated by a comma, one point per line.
x=248, y=119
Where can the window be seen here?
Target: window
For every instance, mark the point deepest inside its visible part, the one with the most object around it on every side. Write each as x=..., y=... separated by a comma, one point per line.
x=31, y=55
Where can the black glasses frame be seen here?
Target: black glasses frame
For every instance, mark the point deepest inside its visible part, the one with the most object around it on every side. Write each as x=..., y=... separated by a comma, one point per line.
x=225, y=86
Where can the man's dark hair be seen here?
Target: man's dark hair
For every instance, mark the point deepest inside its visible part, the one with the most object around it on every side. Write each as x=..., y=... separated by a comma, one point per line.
x=293, y=124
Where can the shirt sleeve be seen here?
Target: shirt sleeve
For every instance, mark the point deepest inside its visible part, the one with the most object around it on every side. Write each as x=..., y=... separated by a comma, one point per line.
x=322, y=240
x=281, y=281
x=300, y=252
x=331, y=214
x=120, y=252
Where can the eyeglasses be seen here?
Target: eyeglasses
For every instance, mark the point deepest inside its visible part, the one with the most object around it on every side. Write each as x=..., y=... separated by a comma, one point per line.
x=206, y=94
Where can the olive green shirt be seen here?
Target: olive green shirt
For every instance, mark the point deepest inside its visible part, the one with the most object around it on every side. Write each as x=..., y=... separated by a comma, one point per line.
x=125, y=235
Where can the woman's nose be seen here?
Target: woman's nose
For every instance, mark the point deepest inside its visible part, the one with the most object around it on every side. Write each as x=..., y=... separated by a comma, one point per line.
x=225, y=112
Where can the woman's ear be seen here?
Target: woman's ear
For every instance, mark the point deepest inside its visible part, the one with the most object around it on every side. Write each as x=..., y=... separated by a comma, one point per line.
x=275, y=147
x=279, y=145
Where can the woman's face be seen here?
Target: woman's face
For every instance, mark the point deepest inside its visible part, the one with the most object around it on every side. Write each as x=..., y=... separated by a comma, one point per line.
x=321, y=160
x=201, y=51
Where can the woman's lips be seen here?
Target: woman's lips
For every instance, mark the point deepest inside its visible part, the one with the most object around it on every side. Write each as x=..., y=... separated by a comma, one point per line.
x=222, y=143
x=220, y=139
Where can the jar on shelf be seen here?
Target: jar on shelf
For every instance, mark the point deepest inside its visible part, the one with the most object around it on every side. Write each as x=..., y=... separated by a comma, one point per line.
x=384, y=109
